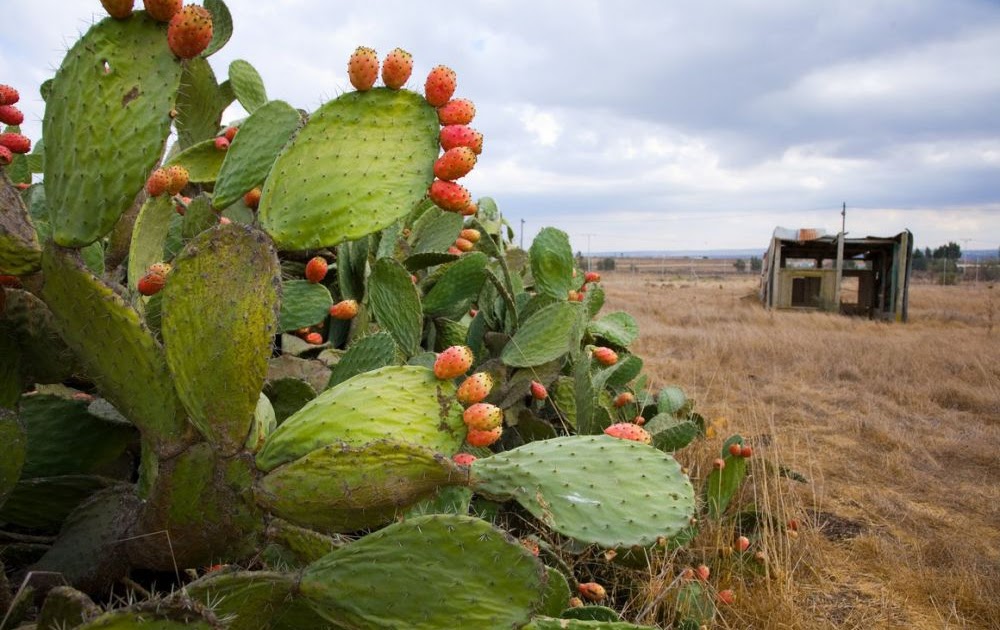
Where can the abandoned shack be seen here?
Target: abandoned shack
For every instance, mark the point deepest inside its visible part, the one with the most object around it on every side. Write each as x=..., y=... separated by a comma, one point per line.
x=810, y=269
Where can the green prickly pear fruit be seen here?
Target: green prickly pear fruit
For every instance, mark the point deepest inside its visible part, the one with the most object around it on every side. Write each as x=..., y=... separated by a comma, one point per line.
x=592, y=591
x=455, y=163
x=459, y=111
x=475, y=388
x=452, y=136
x=316, y=269
x=162, y=10
x=362, y=68
x=605, y=356
x=440, y=85
x=629, y=431
x=482, y=417
x=157, y=183
x=449, y=195
x=453, y=362
x=178, y=178
x=345, y=309
x=463, y=459
x=483, y=438
x=538, y=391
x=396, y=68
x=190, y=31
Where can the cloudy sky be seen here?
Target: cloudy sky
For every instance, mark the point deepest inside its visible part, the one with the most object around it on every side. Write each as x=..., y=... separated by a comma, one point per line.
x=644, y=125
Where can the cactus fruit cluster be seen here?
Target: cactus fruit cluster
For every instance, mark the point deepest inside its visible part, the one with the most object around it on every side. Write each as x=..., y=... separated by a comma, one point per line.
x=294, y=347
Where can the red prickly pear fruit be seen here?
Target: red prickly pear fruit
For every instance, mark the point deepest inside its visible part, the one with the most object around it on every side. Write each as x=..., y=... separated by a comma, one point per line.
x=575, y=602
x=726, y=597
x=345, y=309
x=592, y=591
x=9, y=96
x=470, y=234
x=453, y=362
x=742, y=544
x=178, y=176
x=624, y=398
x=463, y=245
x=454, y=163
x=463, y=459
x=573, y=296
x=230, y=133
x=182, y=205
x=16, y=142
x=469, y=210
x=702, y=572
x=483, y=417
x=483, y=438
x=793, y=524
x=396, y=68
x=413, y=278
x=440, y=85
x=473, y=312
x=158, y=182
x=461, y=136
x=746, y=451
x=162, y=10
x=454, y=251
x=314, y=338
x=225, y=220
x=362, y=68
x=531, y=546
x=591, y=276
x=475, y=388
x=638, y=420
x=151, y=283
x=735, y=450
x=629, y=431
x=605, y=356
x=252, y=198
x=538, y=391
x=221, y=143
x=12, y=282
x=190, y=31
x=316, y=269
x=459, y=111
x=448, y=196
x=10, y=115
x=718, y=463
x=6, y=157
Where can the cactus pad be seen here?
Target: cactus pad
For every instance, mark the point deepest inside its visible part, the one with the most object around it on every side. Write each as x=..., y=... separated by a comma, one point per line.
x=381, y=581
x=406, y=403
x=545, y=336
x=20, y=253
x=361, y=162
x=12, y=436
x=303, y=304
x=596, y=489
x=618, y=328
x=552, y=263
x=368, y=353
x=396, y=304
x=456, y=287
x=253, y=600
x=106, y=122
x=220, y=312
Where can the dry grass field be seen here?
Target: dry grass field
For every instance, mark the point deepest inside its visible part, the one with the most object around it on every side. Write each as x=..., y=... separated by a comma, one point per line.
x=896, y=427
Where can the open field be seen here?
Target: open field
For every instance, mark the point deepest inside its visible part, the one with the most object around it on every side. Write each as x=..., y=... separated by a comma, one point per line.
x=896, y=426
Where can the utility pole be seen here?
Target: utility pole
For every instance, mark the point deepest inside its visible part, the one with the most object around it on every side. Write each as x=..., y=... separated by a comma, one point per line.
x=966, y=242
x=838, y=280
x=588, y=249
x=522, y=233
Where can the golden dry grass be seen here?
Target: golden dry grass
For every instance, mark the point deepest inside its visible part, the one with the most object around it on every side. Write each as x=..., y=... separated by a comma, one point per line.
x=897, y=427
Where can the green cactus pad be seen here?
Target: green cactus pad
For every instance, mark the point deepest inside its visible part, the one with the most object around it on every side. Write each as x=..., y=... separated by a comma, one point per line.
x=264, y=423
x=361, y=162
x=89, y=552
x=448, y=333
x=222, y=26
x=20, y=253
x=305, y=544
x=14, y=439
x=417, y=262
x=670, y=433
x=303, y=304
x=436, y=231
x=594, y=300
x=406, y=403
x=64, y=438
x=592, y=613
x=671, y=400
x=255, y=600
x=153, y=618
x=722, y=485
x=44, y=356
x=288, y=395
x=247, y=85
x=552, y=263
x=366, y=354
x=545, y=336
x=624, y=372
x=198, y=217
x=447, y=500
x=202, y=161
x=596, y=489
x=549, y=623
x=457, y=286
x=695, y=605
x=44, y=502
x=395, y=303
x=557, y=594
x=563, y=396
x=200, y=102
x=66, y=607
x=105, y=125
x=220, y=313
x=253, y=150
x=130, y=372
x=343, y=488
x=380, y=581
x=618, y=329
